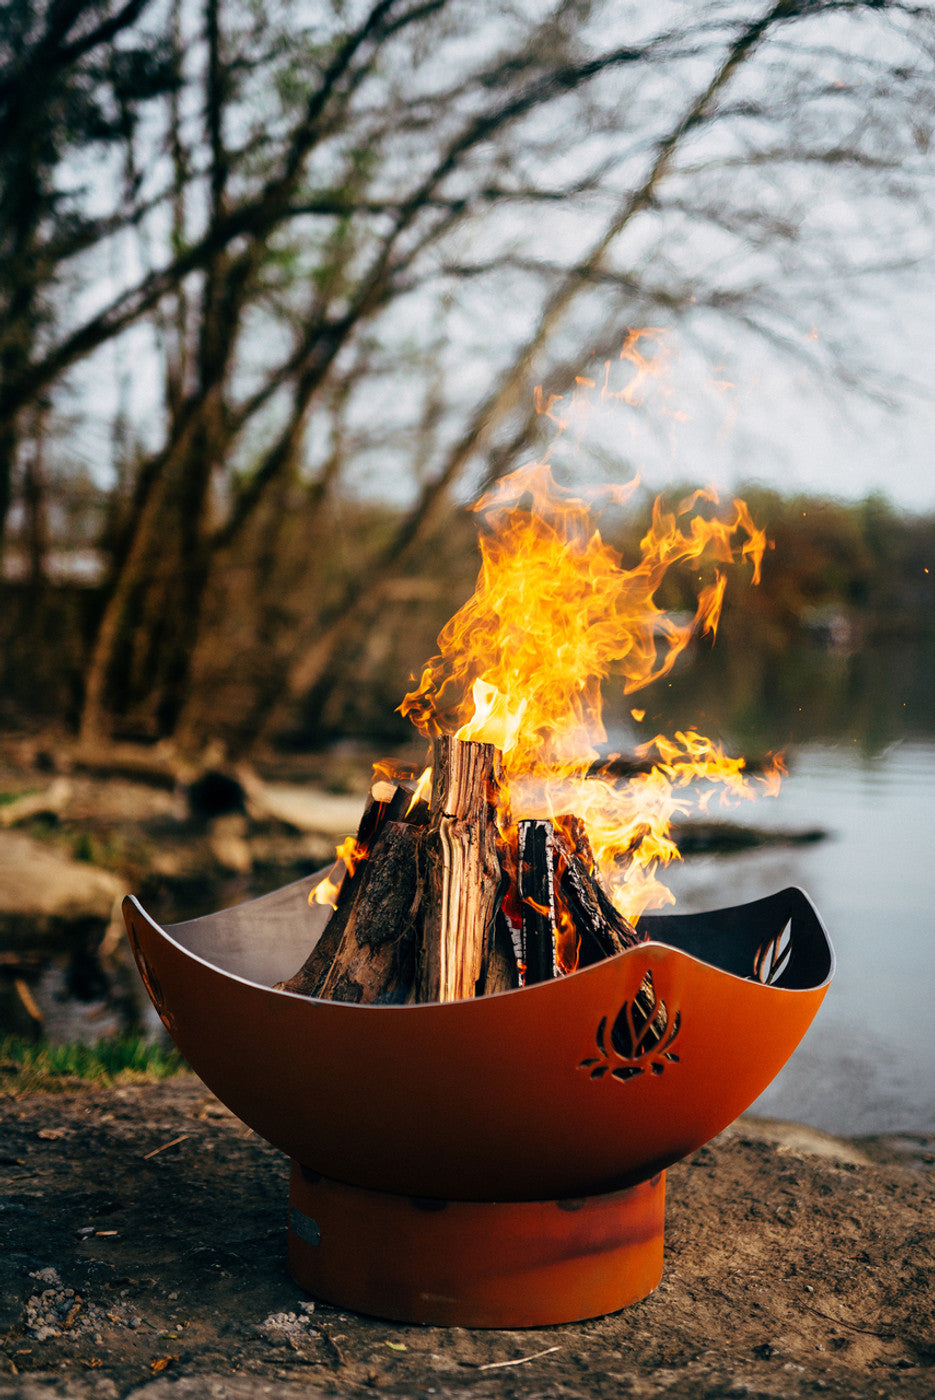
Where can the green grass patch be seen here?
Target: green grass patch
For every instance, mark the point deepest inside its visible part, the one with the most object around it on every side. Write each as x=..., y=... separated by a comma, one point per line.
x=26, y=1066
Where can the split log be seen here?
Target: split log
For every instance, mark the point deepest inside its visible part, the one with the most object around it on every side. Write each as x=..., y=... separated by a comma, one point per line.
x=421, y=916
x=501, y=971
x=536, y=889
x=375, y=960
x=462, y=871
x=602, y=929
x=387, y=802
x=556, y=877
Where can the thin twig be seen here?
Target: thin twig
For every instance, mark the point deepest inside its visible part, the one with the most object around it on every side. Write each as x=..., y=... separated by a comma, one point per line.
x=336, y=1352
x=156, y=1150
x=517, y=1361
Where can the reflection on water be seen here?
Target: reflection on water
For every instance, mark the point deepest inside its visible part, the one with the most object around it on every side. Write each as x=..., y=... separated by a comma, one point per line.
x=861, y=744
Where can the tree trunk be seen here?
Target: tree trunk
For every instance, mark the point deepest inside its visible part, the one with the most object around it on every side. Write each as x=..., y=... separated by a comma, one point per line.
x=141, y=654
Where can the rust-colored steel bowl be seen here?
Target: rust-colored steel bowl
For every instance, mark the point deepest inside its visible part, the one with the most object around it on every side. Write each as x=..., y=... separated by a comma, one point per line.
x=560, y=1098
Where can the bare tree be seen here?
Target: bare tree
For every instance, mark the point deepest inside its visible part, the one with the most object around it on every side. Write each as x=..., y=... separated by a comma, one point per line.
x=680, y=182
x=68, y=86
x=399, y=217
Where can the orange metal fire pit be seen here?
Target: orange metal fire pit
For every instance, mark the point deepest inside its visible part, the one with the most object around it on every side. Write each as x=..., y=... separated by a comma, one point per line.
x=497, y=1162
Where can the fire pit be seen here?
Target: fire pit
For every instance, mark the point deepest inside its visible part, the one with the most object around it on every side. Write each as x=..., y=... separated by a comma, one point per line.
x=489, y=1057
x=498, y=1161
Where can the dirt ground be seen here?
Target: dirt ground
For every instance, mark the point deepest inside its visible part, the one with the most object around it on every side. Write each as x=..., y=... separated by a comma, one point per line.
x=143, y=1255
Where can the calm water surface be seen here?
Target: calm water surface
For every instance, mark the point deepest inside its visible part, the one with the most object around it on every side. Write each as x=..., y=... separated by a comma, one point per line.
x=868, y=1062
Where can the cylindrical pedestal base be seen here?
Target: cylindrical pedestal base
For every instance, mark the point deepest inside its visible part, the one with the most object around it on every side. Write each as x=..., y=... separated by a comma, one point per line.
x=474, y=1263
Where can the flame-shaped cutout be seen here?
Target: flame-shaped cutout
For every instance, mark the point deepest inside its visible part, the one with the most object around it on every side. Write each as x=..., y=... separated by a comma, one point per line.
x=772, y=956
x=640, y=1037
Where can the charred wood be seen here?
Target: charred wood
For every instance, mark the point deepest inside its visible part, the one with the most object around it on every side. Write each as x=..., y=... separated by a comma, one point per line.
x=536, y=889
x=602, y=930
x=375, y=959
x=501, y=972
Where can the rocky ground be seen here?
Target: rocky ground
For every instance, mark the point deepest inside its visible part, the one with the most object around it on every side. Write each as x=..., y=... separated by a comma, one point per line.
x=76, y=834
x=144, y=1255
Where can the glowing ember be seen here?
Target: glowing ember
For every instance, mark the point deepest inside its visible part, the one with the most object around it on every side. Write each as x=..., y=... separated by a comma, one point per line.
x=555, y=613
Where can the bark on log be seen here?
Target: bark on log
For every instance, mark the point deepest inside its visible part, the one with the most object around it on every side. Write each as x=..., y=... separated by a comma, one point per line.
x=501, y=972
x=420, y=919
x=602, y=929
x=462, y=871
x=386, y=802
x=375, y=960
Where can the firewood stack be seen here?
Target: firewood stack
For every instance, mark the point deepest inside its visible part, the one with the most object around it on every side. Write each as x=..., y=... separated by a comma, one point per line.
x=437, y=905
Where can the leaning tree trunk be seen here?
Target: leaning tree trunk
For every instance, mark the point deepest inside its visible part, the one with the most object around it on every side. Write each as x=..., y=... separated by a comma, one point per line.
x=139, y=663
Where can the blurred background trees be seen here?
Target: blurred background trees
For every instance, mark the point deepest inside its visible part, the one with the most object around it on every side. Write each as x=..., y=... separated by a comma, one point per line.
x=277, y=284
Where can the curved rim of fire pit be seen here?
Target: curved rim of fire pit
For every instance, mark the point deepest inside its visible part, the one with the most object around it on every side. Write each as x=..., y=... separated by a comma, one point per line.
x=551, y=1091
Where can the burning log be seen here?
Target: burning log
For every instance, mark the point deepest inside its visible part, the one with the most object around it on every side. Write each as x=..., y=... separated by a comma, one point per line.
x=375, y=959
x=557, y=886
x=419, y=915
x=335, y=966
x=463, y=876
x=502, y=970
x=417, y=918
x=536, y=890
x=602, y=930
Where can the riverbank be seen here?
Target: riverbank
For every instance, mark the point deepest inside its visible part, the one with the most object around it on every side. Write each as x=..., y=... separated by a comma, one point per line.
x=79, y=830
x=144, y=1256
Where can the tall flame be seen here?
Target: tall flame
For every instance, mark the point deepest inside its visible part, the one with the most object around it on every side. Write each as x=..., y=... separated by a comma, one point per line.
x=555, y=613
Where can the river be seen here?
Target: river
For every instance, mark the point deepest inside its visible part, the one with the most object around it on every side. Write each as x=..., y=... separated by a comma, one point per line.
x=867, y=1064
x=859, y=733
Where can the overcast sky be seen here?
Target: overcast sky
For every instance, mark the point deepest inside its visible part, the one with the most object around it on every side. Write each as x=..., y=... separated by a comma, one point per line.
x=843, y=443
x=759, y=416
x=775, y=420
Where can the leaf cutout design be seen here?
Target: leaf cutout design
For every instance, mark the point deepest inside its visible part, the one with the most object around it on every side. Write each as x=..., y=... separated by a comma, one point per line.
x=627, y=1071
x=772, y=957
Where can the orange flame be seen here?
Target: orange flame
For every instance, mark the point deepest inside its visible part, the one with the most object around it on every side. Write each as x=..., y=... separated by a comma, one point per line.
x=422, y=789
x=555, y=613
x=348, y=856
x=326, y=891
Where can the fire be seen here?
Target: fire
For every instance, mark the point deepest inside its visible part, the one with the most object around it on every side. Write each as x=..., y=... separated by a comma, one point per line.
x=326, y=891
x=351, y=851
x=555, y=614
